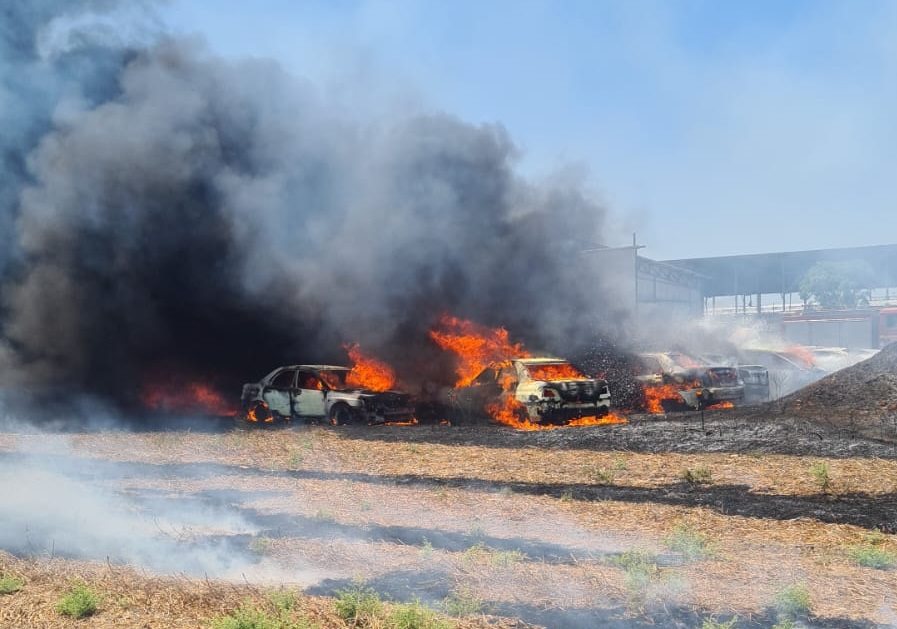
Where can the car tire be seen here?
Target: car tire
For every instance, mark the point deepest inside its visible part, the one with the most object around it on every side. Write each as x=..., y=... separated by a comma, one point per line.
x=260, y=411
x=340, y=415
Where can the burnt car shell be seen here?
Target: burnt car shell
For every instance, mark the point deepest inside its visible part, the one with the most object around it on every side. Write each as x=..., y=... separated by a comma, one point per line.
x=314, y=392
x=699, y=385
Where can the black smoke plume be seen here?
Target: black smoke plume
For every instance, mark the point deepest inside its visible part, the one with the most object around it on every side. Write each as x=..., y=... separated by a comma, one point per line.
x=170, y=214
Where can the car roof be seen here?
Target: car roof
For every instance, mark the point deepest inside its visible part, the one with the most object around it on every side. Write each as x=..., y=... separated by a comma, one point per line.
x=316, y=367
x=540, y=361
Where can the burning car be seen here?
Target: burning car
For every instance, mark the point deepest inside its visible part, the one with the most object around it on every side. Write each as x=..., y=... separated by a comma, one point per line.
x=788, y=370
x=673, y=379
x=535, y=390
x=315, y=392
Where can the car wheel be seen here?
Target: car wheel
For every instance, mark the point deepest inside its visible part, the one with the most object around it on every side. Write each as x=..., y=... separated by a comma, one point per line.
x=340, y=415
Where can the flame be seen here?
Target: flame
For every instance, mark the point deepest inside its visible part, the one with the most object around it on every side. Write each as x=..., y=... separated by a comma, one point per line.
x=475, y=345
x=510, y=412
x=186, y=397
x=802, y=355
x=253, y=416
x=478, y=347
x=551, y=373
x=368, y=372
x=656, y=395
x=411, y=422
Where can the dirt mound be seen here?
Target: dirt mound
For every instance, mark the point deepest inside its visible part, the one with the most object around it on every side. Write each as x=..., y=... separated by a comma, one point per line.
x=861, y=398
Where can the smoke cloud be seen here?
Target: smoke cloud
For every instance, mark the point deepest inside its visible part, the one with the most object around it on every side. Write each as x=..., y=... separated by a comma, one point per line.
x=168, y=213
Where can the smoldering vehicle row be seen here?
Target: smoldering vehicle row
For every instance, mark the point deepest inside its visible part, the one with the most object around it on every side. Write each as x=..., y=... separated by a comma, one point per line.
x=539, y=391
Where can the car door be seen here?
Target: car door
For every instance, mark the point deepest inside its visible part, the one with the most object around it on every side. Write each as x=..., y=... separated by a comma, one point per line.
x=278, y=392
x=308, y=395
x=484, y=389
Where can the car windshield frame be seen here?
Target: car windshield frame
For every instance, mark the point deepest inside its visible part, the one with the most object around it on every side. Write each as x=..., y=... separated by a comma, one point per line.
x=530, y=367
x=335, y=379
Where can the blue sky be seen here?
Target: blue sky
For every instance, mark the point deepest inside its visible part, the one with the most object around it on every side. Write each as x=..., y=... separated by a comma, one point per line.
x=709, y=127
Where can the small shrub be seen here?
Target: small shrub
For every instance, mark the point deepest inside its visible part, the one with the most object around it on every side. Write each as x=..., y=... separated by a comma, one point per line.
x=620, y=465
x=785, y=623
x=713, y=623
x=296, y=459
x=358, y=604
x=416, y=616
x=875, y=537
x=873, y=557
x=260, y=545
x=248, y=617
x=636, y=562
x=283, y=601
x=10, y=585
x=821, y=476
x=604, y=476
x=324, y=516
x=505, y=558
x=79, y=602
x=567, y=496
x=426, y=548
x=461, y=603
x=793, y=601
x=698, y=476
x=639, y=567
x=692, y=544
x=475, y=553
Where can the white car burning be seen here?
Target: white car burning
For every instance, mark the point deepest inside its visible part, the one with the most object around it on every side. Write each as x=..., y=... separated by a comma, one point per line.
x=548, y=390
x=316, y=392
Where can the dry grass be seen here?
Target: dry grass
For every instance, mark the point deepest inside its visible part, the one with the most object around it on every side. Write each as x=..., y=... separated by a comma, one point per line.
x=481, y=493
x=134, y=599
x=322, y=449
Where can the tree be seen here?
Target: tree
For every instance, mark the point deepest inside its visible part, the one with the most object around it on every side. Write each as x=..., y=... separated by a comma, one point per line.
x=836, y=284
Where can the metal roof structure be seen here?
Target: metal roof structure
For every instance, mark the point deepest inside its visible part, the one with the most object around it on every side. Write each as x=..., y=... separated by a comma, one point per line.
x=781, y=272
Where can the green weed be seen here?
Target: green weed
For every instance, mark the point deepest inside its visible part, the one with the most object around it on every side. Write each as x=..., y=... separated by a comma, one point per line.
x=873, y=557
x=821, y=476
x=248, y=617
x=713, y=623
x=79, y=602
x=793, y=601
x=359, y=604
x=462, y=602
x=415, y=616
x=698, y=476
x=692, y=544
x=10, y=585
x=260, y=545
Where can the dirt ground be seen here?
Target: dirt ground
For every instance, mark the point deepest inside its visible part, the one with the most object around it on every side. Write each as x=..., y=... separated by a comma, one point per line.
x=575, y=527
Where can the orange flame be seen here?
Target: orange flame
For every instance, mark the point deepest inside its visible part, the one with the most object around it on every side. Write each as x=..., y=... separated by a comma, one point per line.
x=551, y=373
x=802, y=355
x=195, y=397
x=512, y=413
x=368, y=372
x=656, y=395
x=478, y=346
x=475, y=345
x=719, y=406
